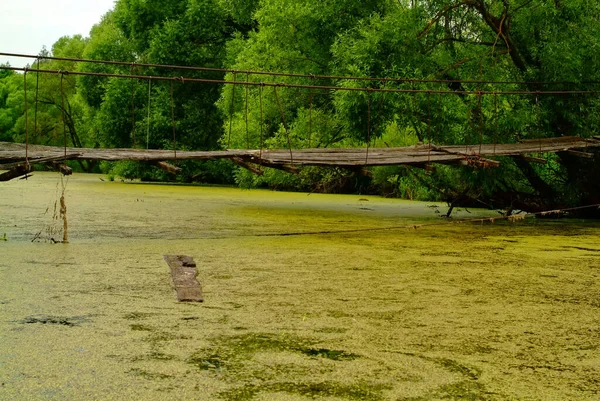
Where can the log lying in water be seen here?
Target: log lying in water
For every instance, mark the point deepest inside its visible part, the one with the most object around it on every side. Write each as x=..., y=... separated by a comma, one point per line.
x=183, y=272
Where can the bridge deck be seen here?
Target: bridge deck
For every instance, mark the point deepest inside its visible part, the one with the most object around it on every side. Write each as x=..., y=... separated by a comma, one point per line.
x=13, y=154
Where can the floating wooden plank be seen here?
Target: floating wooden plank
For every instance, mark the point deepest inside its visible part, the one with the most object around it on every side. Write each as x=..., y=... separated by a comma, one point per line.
x=183, y=272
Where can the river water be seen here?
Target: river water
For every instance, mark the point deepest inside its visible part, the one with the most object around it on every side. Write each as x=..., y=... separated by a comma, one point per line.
x=381, y=300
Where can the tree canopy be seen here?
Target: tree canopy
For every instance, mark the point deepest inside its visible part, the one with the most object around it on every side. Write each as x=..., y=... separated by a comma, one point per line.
x=468, y=47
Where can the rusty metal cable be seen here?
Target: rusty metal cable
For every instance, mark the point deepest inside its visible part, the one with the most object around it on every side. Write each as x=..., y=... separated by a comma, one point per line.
x=318, y=87
x=282, y=74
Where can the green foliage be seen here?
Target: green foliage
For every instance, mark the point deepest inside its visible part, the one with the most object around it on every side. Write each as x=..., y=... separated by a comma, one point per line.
x=462, y=43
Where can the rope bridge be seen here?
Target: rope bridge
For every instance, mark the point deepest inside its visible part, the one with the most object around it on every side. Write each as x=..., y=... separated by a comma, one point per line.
x=13, y=155
x=17, y=158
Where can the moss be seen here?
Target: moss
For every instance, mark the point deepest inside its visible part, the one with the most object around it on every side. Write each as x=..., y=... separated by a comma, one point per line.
x=55, y=320
x=136, y=315
x=453, y=366
x=231, y=351
x=150, y=375
x=315, y=390
x=140, y=327
x=445, y=311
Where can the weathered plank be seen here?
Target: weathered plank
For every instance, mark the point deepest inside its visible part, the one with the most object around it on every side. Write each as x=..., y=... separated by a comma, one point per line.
x=281, y=158
x=17, y=171
x=169, y=168
x=183, y=273
x=576, y=153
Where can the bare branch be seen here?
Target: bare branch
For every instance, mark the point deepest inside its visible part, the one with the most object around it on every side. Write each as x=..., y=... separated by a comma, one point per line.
x=454, y=66
x=498, y=36
x=468, y=42
x=441, y=13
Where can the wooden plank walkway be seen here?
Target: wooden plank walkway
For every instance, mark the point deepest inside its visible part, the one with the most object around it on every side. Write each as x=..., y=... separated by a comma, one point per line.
x=13, y=154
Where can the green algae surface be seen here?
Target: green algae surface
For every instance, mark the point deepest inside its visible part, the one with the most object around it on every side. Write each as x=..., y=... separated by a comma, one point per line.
x=443, y=311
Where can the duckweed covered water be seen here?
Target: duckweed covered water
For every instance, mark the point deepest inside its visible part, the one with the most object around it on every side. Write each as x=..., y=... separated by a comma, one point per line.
x=470, y=311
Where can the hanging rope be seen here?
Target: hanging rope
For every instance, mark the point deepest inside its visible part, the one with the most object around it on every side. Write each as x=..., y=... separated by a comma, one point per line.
x=368, y=126
x=231, y=110
x=26, y=120
x=587, y=126
x=148, y=119
x=481, y=122
x=133, y=105
x=415, y=120
x=284, y=124
x=496, y=114
x=429, y=127
x=173, y=123
x=246, y=114
x=537, y=113
x=310, y=113
x=379, y=112
x=261, y=122
x=37, y=88
x=62, y=94
x=438, y=126
x=468, y=136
